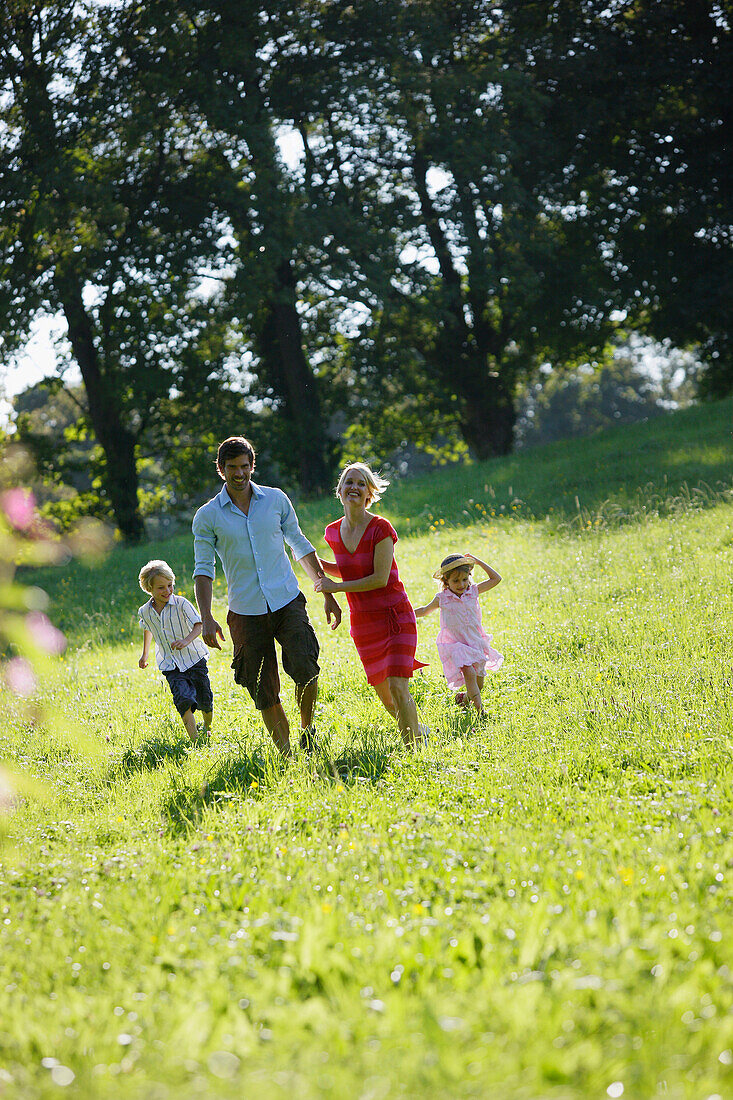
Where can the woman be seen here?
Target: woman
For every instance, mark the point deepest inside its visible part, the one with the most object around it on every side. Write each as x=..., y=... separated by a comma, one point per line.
x=383, y=624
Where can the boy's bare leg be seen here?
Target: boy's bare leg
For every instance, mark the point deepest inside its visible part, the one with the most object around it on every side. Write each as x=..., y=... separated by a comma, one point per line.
x=208, y=717
x=407, y=719
x=276, y=721
x=385, y=698
x=189, y=722
x=305, y=697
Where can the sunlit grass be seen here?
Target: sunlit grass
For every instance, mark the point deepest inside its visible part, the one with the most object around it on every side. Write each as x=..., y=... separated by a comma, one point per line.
x=542, y=909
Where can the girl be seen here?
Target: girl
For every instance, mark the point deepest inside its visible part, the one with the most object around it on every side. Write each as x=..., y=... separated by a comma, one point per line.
x=463, y=646
x=382, y=619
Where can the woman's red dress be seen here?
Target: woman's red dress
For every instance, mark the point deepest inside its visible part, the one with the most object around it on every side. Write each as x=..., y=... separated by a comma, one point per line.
x=383, y=623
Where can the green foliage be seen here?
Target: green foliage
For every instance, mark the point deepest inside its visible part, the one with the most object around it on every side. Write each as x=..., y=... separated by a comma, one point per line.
x=206, y=921
x=618, y=389
x=645, y=132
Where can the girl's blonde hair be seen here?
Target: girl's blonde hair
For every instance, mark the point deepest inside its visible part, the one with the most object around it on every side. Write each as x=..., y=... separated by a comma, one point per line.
x=375, y=482
x=153, y=569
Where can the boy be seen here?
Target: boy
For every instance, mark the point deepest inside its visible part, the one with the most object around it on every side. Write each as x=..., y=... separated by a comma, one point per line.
x=176, y=625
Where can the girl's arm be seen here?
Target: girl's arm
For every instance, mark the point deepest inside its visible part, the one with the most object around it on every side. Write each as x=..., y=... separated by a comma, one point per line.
x=330, y=567
x=383, y=558
x=420, y=611
x=147, y=639
x=494, y=577
x=181, y=643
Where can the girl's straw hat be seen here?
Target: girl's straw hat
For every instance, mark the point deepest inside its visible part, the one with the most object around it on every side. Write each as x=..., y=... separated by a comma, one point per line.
x=453, y=561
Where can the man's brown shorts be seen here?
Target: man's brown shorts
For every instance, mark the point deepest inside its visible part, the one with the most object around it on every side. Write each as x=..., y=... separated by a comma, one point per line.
x=255, y=662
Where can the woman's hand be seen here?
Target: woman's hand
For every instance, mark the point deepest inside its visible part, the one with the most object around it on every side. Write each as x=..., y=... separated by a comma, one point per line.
x=324, y=584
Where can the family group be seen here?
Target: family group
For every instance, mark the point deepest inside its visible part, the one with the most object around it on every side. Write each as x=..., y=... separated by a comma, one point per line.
x=247, y=526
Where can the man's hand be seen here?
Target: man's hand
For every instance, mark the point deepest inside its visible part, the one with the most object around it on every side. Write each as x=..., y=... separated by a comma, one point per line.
x=209, y=631
x=332, y=608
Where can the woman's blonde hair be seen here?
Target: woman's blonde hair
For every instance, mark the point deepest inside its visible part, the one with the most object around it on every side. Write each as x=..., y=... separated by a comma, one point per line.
x=153, y=569
x=375, y=482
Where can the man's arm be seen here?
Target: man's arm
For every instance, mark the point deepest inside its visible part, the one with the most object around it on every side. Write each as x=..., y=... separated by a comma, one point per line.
x=314, y=568
x=204, y=588
x=204, y=571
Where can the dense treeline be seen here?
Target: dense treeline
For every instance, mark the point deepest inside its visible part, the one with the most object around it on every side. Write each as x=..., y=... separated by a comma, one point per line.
x=479, y=190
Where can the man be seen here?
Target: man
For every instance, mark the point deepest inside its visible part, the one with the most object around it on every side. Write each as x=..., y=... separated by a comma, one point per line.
x=247, y=525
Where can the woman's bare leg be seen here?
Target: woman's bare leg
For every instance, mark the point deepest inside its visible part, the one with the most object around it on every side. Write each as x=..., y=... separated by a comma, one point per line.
x=407, y=720
x=385, y=697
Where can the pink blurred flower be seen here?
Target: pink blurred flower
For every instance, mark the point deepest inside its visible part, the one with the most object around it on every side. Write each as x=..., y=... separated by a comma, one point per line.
x=7, y=793
x=19, y=506
x=44, y=633
x=20, y=677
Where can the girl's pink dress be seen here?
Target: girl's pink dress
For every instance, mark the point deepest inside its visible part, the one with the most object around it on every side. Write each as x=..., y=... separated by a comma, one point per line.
x=383, y=623
x=462, y=639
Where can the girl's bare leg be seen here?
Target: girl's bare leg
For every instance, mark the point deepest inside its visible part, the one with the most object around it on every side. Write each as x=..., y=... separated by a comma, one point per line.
x=385, y=697
x=207, y=716
x=473, y=691
x=407, y=720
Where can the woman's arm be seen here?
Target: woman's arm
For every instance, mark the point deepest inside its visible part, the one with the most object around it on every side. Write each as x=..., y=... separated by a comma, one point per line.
x=383, y=558
x=330, y=567
x=494, y=577
x=427, y=608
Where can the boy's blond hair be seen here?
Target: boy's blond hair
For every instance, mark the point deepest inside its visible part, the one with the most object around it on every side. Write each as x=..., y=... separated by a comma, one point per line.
x=152, y=569
x=376, y=484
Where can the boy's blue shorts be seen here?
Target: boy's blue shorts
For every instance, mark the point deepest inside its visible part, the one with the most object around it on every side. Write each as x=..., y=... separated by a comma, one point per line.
x=191, y=688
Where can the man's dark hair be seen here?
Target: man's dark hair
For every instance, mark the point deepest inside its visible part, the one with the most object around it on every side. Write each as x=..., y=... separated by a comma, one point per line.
x=232, y=447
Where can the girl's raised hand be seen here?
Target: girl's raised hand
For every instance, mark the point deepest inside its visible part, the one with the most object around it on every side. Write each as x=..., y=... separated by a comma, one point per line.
x=324, y=584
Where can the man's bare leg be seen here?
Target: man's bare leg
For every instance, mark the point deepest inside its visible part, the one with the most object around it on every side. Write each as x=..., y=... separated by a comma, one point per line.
x=305, y=697
x=276, y=721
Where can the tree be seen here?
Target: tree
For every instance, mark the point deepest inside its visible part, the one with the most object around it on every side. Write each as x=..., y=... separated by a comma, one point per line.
x=223, y=63
x=459, y=128
x=106, y=218
x=649, y=136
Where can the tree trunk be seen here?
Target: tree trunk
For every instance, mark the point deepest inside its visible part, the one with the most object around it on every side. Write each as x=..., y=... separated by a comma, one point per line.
x=281, y=348
x=464, y=352
x=489, y=415
x=117, y=442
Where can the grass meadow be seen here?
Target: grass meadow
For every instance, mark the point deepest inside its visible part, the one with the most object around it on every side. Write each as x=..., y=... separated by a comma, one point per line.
x=538, y=910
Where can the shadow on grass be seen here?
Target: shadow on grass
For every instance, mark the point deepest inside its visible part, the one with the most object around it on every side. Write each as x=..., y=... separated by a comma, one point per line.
x=248, y=776
x=150, y=755
x=358, y=763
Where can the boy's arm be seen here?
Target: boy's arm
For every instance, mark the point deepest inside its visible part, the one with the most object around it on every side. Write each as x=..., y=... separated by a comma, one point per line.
x=494, y=577
x=147, y=639
x=427, y=608
x=181, y=643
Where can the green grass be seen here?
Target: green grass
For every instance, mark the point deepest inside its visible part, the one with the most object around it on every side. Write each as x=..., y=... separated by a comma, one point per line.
x=542, y=910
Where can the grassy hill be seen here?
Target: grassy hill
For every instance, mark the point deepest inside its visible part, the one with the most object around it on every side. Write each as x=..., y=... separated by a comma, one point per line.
x=537, y=909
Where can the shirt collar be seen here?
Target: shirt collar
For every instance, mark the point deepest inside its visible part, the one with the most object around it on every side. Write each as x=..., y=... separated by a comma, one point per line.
x=225, y=499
